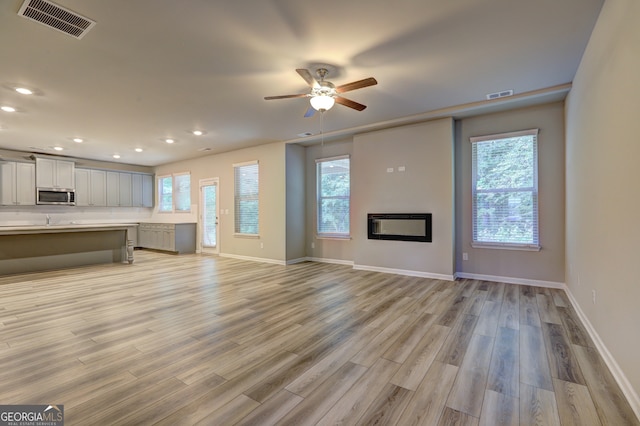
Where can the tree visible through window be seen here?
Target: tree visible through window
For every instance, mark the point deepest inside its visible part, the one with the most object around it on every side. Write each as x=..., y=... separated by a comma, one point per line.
x=333, y=193
x=505, y=190
x=165, y=194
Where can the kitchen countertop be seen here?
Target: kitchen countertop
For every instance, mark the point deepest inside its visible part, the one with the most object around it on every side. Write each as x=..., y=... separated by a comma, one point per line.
x=57, y=228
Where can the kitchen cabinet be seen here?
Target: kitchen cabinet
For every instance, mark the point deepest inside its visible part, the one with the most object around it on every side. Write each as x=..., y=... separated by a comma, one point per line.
x=174, y=237
x=17, y=186
x=91, y=188
x=119, y=191
x=55, y=173
x=142, y=190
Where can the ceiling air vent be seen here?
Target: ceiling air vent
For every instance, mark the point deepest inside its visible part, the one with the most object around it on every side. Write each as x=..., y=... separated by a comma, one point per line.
x=56, y=17
x=502, y=94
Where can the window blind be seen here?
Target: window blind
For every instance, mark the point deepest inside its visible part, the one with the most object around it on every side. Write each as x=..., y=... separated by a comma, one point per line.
x=505, y=190
x=333, y=196
x=246, y=198
x=182, y=192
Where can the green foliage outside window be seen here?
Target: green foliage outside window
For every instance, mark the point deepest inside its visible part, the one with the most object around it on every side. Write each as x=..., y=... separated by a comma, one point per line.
x=505, y=193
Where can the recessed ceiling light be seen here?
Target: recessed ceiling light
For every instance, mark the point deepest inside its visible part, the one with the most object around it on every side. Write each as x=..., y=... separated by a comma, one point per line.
x=24, y=91
x=138, y=149
x=8, y=108
x=198, y=132
x=58, y=148
x=78, y=140
x=116, y=156
x=169, y=140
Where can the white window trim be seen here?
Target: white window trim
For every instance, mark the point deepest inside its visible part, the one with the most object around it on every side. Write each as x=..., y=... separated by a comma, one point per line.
x=173, y=190
x=507, y=246
x=331, y=236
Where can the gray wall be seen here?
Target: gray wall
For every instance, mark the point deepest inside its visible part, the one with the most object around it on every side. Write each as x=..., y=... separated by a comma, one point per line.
x=603, y=199
x=426, y=186
x=547, y=265
x=295, y=193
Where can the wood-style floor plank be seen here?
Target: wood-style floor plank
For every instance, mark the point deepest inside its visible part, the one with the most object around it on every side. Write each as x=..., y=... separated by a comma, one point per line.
x=468, y=390
x=428, y=402
x=198, y=339
x=538, y=407
x=575, y=405
x=499, y=410
x=609, y=401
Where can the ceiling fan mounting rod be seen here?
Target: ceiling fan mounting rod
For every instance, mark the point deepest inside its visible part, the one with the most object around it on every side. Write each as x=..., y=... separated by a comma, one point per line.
x=322, y=73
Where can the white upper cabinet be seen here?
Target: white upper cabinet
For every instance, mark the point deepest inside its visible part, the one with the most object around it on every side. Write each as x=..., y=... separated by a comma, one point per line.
x=55, y=173
x=91, y=187
x=142, y=190
x=17, y=184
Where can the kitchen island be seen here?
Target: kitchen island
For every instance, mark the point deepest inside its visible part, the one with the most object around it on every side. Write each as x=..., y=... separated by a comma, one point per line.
x=49, y=247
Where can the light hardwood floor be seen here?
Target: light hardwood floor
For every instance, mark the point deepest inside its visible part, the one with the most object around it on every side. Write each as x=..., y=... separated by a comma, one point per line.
x=183, y=340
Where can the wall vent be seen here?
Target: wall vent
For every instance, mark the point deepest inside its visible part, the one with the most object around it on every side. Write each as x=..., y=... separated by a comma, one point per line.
x=56, y=17
x=502, y=94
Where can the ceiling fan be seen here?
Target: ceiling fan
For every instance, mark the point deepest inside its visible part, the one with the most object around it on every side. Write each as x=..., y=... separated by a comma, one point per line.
x=324, y=93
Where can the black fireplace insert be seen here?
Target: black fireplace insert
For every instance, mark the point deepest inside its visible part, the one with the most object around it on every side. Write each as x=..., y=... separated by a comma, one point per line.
x=399, y=226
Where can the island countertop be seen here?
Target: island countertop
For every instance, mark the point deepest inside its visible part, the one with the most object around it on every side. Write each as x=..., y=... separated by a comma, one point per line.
x=59, y=228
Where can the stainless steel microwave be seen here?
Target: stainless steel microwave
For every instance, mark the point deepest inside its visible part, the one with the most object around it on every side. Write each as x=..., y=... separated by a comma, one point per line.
x=56, y=196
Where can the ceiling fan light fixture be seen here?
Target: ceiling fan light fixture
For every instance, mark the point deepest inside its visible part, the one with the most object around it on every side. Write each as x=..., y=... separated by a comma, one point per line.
x=322, y=102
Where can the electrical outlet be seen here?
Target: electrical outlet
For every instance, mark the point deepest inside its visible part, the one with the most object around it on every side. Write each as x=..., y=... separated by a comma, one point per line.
x=261, y=245
x=313, y=245
x=465, y=256
x=593, y=293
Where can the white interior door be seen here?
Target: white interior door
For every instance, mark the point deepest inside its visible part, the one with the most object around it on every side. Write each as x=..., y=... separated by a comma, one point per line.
x=209, y=240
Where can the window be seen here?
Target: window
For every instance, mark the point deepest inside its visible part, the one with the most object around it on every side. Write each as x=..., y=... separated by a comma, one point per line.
x=182, y=192
x=174, y=193
x=165, y=191
x=246, y=198
x=505, y=190
x=333, y=193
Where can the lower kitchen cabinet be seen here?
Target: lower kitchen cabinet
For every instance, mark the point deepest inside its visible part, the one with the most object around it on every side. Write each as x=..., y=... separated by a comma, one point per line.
x=174, y=237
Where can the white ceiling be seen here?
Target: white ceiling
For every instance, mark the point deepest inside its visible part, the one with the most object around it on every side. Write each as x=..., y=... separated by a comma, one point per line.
x=152, y=69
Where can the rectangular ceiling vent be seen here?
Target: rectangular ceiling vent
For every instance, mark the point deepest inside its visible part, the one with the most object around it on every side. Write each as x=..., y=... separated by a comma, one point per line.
x=56, y=17
x=502, y=94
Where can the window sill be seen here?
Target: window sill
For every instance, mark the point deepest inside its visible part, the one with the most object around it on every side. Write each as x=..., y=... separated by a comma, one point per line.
x=502, y=246
x=250, y=236
x=333, y=237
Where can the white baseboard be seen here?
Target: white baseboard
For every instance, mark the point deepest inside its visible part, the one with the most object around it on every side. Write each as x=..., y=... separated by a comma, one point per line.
x=253, y=259
x=511, y=280
x=619, y=376
x=332, y=261
x=406, y=272
x=294, y=261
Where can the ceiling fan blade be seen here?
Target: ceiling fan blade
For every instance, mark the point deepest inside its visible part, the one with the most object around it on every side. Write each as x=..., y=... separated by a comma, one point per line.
x=310, y=112
x=349, y=103
x=356, y=85
x=270, y=98
x=306, y=75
